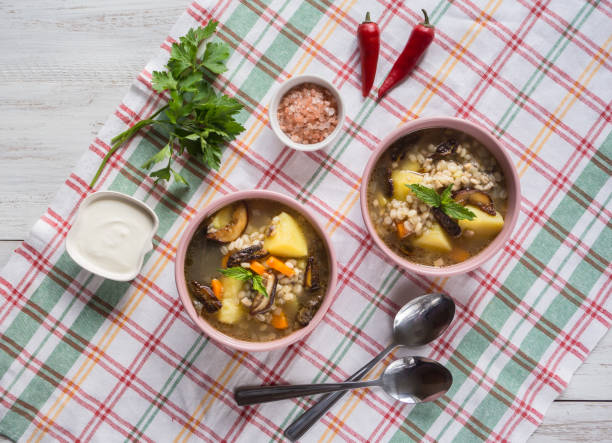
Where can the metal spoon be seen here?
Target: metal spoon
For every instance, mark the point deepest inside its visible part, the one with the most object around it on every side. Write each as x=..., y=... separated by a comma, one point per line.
x=417, y=323
x=408, y=379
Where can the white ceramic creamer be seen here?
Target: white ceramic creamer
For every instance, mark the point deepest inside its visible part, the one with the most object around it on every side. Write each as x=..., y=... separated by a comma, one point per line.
x=111, y=235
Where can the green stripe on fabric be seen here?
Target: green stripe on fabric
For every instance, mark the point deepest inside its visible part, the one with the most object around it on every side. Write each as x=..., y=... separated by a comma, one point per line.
x=560, y=311
x=241, y=22
x=23, y=327
x=389, y=281
x=540, y=73
x=522, y=284
x=496, y=313
x=61, y=358
x=360, y=118
x=42, y=342
x=313, y=182
x=171, y=383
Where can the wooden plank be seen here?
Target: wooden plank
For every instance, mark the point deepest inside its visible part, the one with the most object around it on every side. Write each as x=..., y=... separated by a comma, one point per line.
x=593, y=379
x=6, y=248
x=575, y=422
x=64, y=67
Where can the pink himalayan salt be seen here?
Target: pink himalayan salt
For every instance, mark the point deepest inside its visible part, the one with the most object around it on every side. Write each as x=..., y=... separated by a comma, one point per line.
x=308, y=113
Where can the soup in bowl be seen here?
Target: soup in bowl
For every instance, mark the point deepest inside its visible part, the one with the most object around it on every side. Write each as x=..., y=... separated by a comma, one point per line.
x=255, y=271
x=440, y=196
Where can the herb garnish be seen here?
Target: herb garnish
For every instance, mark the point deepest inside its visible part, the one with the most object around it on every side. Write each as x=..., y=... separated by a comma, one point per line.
x=243, y=274
x=195, y=118
x=442, y=201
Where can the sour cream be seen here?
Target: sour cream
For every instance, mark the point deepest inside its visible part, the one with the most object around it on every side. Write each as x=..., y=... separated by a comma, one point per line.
x=111, y=235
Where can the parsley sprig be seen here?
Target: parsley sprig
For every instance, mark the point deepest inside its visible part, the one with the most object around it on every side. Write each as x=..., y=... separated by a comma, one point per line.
x=195, y=118
x=243, y=274
x=443, y=201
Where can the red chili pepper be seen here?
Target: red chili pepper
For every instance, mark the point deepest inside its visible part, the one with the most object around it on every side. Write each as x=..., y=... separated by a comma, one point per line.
x=420, y=38
x=369, y=44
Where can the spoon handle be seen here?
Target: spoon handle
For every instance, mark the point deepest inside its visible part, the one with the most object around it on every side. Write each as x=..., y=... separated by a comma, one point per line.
x=262, y=394
x=305, y=421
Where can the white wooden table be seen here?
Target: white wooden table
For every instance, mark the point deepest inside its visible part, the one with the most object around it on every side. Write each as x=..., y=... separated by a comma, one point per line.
x=64, y=66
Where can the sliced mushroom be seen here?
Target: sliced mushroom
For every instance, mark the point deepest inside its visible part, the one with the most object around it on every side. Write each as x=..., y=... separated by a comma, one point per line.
x=234, y=228
x=406, y=248
x=447, y=223
x=399, y=148
x=445, y=148
x=262, y=304
x=254, y=252
x=206, y=296
x=308, y=309
x=388, y=191
x=304, y=315
x=475, y=197
x=397, y=152
x=311, y=275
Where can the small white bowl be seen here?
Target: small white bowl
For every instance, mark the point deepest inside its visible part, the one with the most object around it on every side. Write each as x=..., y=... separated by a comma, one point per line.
x=280, y=92
x=81, y=258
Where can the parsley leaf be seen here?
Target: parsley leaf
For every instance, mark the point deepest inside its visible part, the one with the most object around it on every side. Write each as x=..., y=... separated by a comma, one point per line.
x=195, y=118
x=166, y=152
x=243, y=274
x=179, y=178
x=163, y=81
x=161, y=174
x=215, y=56
x=443, y=201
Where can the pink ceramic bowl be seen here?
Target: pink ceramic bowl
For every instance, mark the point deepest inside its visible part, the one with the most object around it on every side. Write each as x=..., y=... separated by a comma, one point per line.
x=512, y=183
x=181, y=284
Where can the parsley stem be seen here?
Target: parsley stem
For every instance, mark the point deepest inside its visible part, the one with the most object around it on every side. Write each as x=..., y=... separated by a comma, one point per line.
x=120, y=139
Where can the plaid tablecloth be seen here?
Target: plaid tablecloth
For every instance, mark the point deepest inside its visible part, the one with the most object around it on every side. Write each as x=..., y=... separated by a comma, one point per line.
x=88, y=359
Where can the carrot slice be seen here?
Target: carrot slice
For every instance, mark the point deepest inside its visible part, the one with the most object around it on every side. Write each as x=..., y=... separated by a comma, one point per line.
x=224, y=260
x=279, y=266
x=217, y=288
x=401, y=230
x=279, y=321
x=257, y=267
x=459, y=254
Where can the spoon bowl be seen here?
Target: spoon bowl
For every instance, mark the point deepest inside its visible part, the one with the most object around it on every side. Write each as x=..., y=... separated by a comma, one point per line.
x=416, y=380
x=422, y=320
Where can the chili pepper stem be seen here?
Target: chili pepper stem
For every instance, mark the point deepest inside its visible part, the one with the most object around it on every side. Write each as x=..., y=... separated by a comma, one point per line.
x=367, y=19
x=426, y=21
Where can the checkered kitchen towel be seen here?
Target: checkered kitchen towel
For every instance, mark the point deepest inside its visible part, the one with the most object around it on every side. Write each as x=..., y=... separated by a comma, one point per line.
x=82, y=358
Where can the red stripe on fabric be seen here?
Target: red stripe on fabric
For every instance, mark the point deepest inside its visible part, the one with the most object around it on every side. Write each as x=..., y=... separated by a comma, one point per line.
x=358, y=258
x=557, y=357
x=526, y=228
x=37, y=421
x=561, y=25
x=82, y=397
x=108, y=363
